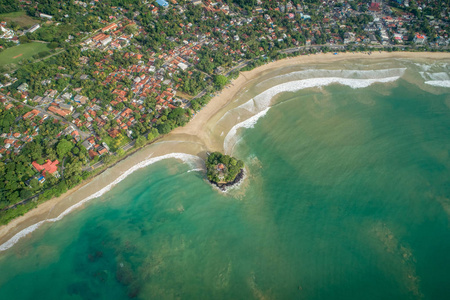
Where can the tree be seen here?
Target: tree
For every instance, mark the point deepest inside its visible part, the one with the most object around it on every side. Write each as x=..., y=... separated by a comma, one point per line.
x=64, y=147
x=53, y=45
x=130, y=29
x=106, y=158
x=178, y=115
x=34, y=183
x=230, y=170
x=152, y=134
x=73, y=169
x=140, y=141
x=120, y=152
x=164, y=128
x=24, y=194
x=220, y=81
x=24, y=39
x=33, y=150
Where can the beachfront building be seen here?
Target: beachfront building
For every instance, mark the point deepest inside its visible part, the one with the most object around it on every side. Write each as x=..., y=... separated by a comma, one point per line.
x=420, y=39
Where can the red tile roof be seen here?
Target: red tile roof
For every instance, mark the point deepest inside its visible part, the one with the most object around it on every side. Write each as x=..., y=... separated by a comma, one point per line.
x=49, y=167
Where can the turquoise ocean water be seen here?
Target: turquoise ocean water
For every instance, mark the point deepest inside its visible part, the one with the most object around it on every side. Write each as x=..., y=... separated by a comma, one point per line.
x=347, y=196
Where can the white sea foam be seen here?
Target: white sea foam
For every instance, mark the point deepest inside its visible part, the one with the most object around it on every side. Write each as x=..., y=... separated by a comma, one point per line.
x=196, y=170
x=260, y=104
x=350, y=74
x=193, y=160
x=439, y=83
x=428, y=67
x=262, y=101
x=424, y=67
x=435, y=76
x=230, y=139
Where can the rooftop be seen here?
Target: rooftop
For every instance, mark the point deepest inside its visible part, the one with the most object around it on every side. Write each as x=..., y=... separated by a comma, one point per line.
x=49, y=167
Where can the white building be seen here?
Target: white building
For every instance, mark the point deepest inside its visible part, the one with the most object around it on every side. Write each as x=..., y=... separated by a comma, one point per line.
x=106, y=41
x=34, y=28
x=182, y=66
x=45, y=16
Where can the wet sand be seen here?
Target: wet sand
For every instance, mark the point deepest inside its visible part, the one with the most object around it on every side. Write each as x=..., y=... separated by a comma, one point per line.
x=195, y=138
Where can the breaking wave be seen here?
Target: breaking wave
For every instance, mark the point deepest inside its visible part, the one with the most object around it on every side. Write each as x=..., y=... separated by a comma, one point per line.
x=439, y=83
x=434, y=76
x=439, y=79
x=230, y=139
x=350, y=74
x=432, y=66
x=260, y=104
x=192, y=160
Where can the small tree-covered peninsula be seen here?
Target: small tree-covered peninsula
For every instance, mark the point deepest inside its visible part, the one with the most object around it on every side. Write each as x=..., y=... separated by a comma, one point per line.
x=224, y=170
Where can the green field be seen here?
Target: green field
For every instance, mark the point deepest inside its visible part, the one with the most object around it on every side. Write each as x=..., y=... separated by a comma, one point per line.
x=115, y=144
x=20, y=18
x=21, y=52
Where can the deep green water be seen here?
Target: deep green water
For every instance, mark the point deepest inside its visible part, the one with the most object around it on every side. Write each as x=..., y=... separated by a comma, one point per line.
x=347, y=197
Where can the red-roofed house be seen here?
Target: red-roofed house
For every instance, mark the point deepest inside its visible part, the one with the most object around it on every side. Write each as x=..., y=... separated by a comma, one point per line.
x=92, y=153
x=49, y=167
x=109, y=27
x=420, y=39
x=102, y=151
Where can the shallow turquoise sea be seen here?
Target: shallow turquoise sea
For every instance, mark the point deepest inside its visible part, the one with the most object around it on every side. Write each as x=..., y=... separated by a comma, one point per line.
x=347, y=196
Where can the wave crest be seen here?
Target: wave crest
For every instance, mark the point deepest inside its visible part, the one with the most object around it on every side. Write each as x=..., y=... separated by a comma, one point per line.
x=260, y=104
x=192, y=160
x=231, y=138
x=350, y=74
x=439, y=83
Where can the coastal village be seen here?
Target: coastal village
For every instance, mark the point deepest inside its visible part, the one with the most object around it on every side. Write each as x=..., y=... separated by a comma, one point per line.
x=147, y=67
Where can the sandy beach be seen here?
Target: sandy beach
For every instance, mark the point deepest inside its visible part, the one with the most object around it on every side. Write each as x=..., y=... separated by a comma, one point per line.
x=192, y=139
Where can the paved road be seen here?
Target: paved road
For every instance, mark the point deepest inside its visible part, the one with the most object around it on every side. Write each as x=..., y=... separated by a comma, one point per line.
x=93, y=167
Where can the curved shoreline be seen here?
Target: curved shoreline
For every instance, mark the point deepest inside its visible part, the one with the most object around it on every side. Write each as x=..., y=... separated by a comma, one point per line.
x=195, y=132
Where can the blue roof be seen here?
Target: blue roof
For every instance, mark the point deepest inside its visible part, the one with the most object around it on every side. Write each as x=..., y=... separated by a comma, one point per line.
x=163, y=3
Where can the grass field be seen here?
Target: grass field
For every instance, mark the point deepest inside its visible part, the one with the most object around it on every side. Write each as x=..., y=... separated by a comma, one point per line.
x=20, y=18
x=184, y=95
x=17, y=53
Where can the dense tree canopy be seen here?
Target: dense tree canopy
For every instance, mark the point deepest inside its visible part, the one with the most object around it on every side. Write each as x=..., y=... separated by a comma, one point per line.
x=222, y=168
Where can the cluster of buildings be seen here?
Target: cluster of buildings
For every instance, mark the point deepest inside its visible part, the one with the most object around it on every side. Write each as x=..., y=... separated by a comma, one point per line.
x=111, y=37
x=6, y=33
x=151, y=75
x=95, y=147
x=13, y=36
x=14, y=141
x=387, y=28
